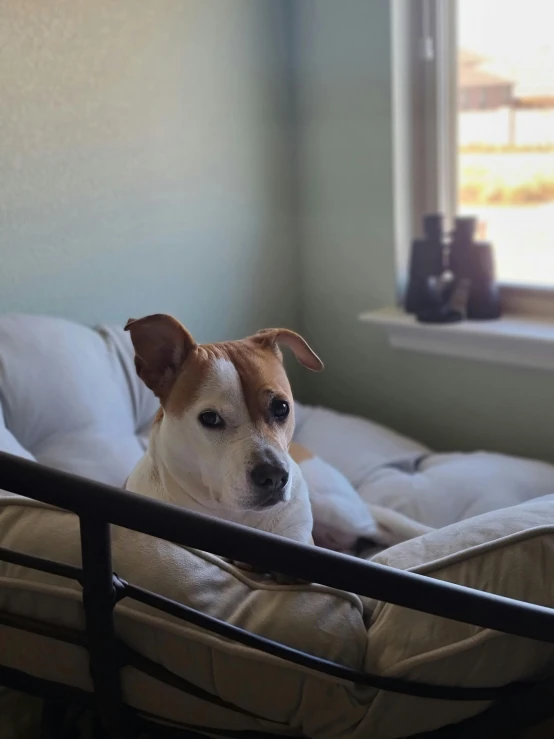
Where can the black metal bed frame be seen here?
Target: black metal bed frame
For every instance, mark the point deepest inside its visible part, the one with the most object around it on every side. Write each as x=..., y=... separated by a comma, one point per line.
x=513, y=707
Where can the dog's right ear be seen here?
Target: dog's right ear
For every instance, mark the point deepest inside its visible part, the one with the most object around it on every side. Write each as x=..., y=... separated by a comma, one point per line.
x=161, y=345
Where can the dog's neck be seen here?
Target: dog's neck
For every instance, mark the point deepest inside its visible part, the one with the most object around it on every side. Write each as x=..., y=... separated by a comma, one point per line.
x=185, y=490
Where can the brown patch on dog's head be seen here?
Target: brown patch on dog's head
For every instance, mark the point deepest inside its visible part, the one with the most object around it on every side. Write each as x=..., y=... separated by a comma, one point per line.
x=166, y=352
x=259, y=364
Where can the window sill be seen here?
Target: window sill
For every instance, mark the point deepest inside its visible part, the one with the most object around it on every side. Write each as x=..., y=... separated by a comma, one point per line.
x=516, y=340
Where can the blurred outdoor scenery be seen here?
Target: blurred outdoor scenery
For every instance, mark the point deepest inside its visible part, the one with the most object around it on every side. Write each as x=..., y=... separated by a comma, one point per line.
x=506, y=131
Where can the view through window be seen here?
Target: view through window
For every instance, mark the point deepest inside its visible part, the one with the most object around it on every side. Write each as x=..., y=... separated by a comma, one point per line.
x=506, y=132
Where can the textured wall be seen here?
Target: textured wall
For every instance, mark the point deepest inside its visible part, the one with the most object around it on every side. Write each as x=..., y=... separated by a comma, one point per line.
x=142, y=165
x=344, y=58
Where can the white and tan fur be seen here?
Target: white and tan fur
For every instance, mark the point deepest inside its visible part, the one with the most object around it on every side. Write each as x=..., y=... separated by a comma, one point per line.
x=210, y=470
x=215, y=470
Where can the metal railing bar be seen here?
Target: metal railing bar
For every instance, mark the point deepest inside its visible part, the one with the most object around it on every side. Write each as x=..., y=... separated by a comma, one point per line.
x=318, y=664
x=273, y=553
x=134, y=659
x=41, y=564
x=99, y=598
x=127, y=657
x=51, y=631
x=42, y=688
x=504, y=718
x=23, y=682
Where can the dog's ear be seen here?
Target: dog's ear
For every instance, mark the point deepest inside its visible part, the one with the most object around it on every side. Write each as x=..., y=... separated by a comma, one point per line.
x=275, y=337
x=161, y=346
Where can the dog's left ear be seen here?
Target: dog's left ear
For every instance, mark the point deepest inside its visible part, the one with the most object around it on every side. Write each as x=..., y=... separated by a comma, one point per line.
x=161, y=345
x=275, y=337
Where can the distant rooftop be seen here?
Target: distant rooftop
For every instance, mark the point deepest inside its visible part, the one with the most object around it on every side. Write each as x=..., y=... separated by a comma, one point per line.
x=469, y=58
x=473, y=77
x=470, y=73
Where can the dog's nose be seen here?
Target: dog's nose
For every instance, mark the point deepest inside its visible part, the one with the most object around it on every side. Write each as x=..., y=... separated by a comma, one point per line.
x=269, y=478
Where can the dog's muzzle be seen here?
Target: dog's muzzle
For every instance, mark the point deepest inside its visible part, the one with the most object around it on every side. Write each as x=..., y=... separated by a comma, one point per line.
x=270, y=482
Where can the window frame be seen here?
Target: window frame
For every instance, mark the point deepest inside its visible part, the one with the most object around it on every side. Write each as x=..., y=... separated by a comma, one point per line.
x=425, y=104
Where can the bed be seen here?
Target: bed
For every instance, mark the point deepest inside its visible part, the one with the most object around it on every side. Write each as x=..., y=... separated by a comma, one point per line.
x=128, y=610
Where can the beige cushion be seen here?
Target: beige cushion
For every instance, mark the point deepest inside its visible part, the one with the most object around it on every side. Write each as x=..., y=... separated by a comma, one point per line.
x=508, y=552
x=319, y=620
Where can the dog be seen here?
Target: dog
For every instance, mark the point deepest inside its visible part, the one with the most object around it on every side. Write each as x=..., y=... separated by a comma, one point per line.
x=221, y=441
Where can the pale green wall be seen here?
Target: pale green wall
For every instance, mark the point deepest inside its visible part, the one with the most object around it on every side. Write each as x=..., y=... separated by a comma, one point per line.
x=145, y=165
x=143, y=162
x=344, y=63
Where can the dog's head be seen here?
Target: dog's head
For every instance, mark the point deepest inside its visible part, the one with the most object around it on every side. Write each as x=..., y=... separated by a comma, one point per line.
x=227, y=414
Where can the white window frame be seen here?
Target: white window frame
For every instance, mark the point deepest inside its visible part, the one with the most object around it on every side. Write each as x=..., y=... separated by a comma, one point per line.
x=425, y=129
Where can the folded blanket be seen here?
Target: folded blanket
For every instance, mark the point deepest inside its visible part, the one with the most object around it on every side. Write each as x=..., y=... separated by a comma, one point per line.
x=391, y=473
x=343, y=521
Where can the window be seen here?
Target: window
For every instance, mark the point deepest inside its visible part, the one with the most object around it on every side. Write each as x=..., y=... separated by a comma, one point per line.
x=482, y=105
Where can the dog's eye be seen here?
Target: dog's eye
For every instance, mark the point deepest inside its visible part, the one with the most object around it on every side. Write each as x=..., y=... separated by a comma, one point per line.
x=279, y=408
x=211, y=420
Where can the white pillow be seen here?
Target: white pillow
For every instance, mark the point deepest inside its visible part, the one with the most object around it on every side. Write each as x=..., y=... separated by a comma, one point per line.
x=446, y=488
x=392, y=471
x=70, y=397
x=354, y=445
